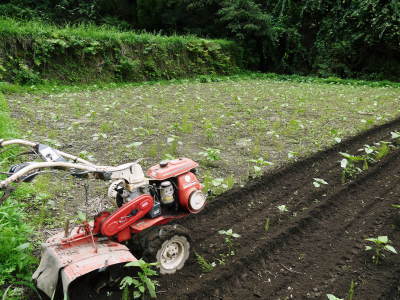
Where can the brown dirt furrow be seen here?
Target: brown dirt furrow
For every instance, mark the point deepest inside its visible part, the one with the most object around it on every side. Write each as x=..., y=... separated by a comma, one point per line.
x=328, y=240
x=317, y=218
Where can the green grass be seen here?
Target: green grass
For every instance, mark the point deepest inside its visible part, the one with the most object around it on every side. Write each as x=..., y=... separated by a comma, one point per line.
x=16, y=229
x=12, y=27
x=54, y=88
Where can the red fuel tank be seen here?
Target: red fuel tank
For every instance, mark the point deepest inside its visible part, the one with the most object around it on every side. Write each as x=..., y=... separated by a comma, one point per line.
x=171, y=168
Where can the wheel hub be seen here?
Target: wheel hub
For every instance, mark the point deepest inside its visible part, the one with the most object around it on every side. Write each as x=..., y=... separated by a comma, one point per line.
x=172, y=255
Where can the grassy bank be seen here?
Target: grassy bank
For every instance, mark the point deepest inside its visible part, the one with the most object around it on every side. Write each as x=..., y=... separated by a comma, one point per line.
x=33, y=52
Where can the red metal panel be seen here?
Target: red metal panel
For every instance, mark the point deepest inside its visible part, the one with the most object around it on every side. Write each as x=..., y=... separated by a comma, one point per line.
x=173, y=168
x=187, y=184
x=127, y=214
x=147, y=223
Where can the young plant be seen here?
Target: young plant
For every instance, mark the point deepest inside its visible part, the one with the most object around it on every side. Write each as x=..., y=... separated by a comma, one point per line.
x=349, y=166
x=350, y=294
x=333, y=297
x=211, y=154
x=229, y=237
x=396, y=137
x=204, y=264
x=380, y=244
x=259, y=163
x=216, y=186
x=173, y=142
x=293, y=155
x=282, y=209
x=318, y=182
x=142, y=283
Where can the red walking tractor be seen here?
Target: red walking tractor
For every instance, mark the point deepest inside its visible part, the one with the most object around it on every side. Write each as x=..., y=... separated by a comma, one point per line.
x=87, y=262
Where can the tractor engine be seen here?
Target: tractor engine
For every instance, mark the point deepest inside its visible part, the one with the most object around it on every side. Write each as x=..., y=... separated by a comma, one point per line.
x=172, y=184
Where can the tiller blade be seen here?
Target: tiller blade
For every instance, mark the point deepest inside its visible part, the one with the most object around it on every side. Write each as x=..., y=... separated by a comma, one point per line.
x=64, y=261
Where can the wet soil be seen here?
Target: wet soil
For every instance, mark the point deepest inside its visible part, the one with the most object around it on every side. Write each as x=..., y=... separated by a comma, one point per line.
x=315, y=248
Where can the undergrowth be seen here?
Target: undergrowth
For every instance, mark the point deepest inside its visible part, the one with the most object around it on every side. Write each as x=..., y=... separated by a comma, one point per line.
x=16, y=259
x=35, y=52
x=58, y=87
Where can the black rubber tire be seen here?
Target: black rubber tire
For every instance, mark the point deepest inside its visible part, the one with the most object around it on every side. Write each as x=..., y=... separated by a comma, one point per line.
x=157, y=238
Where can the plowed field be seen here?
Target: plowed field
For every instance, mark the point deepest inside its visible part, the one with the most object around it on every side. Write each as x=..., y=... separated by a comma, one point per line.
x=315, y=248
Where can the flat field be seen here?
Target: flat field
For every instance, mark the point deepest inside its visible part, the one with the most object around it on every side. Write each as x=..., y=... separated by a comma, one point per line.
x=297, y=241
x=236, y=129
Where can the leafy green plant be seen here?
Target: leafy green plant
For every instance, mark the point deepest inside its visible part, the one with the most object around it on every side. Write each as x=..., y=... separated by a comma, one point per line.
x=293, y=155
x=142, y=284
x=229, y=238
x=209, y=129
x=282, y=208
x=379, y=245
x=259, y=163
x=216, y=186
x=395, y=137
x=333, y=297
x=352, y=165
x=173, y=141
x=211, y=154
x=350, y=293
x=349, y=166
x=204, y=264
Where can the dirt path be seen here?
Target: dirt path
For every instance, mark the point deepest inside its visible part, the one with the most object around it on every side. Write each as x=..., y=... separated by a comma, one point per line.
x=315, y=248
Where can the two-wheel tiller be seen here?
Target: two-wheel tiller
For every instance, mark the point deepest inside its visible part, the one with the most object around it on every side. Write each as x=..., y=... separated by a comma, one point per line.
x=87, y=262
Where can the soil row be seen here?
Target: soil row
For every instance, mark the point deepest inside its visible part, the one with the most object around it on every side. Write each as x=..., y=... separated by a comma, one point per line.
x=317, y=247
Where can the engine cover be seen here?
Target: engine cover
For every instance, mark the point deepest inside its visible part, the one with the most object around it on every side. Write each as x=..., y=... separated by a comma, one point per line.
x=171, y=168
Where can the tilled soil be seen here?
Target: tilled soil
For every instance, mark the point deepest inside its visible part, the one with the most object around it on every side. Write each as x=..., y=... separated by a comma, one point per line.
x=315, y=248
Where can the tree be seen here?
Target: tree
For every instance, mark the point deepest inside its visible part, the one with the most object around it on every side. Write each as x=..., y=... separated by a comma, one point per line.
x=247, y=22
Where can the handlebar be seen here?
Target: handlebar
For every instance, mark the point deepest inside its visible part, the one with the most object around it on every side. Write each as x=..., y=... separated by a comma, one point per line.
x=130, y=172
x=36, y=146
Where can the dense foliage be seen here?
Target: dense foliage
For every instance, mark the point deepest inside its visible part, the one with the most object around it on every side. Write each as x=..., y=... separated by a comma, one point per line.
x=346, y=38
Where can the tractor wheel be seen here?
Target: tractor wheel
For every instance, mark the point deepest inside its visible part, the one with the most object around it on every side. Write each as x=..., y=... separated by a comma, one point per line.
x=169, y=246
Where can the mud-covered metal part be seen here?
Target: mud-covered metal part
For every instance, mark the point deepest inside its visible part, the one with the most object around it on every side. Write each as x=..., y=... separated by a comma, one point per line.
x=67, y=262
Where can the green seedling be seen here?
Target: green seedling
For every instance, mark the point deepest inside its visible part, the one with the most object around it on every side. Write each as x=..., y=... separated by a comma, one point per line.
x=350, y=294
x=333, y=297
x=395, y=137
x=318, y=182
x=86, y=155
x=229, y=237
x=217, y=185
x=259, y=164
x=142, y=284
x=211, y=154
x=204, y=264
x=353, y=165
x=292, y=155
x=282, y=209
x=349, y=166
x=266, y=225
x=380, y=244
